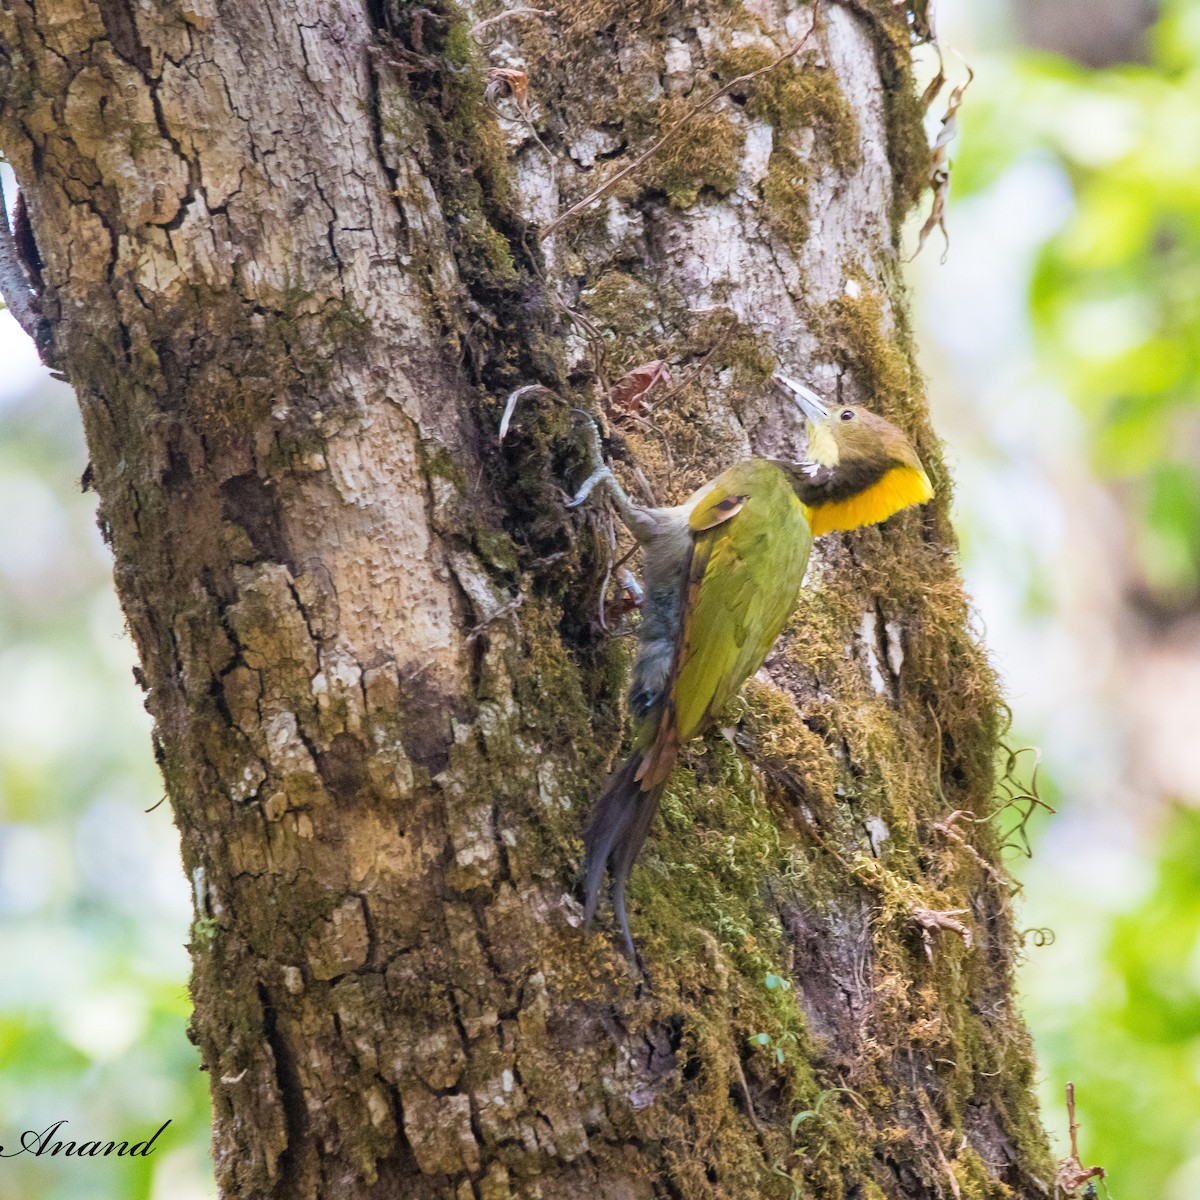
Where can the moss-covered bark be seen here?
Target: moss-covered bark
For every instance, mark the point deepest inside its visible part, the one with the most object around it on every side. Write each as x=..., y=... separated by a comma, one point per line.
x=292, y=267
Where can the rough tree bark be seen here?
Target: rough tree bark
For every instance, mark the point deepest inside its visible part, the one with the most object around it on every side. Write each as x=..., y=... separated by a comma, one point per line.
x=288, y=256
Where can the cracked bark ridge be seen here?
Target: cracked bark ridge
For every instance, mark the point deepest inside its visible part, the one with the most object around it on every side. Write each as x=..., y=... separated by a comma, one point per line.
x=288, y=260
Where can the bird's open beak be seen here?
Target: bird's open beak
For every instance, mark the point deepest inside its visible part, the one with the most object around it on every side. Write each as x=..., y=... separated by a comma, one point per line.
x=809, y=403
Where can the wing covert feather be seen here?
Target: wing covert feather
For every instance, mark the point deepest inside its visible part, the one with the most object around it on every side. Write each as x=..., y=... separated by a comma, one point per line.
x=743, y=581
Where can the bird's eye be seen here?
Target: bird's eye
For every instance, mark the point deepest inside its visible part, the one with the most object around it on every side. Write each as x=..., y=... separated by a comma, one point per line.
x=847, y=414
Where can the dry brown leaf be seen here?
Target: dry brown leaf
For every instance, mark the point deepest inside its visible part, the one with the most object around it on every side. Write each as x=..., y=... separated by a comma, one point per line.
x=1072, y=1174
x=949, y=129
x=629, y=393
x=935, y=85
x=939, y=177
x=937, y=212
x=504, y=81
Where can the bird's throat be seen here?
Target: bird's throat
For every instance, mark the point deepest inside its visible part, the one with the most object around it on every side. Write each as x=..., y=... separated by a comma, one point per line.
x=893, y=490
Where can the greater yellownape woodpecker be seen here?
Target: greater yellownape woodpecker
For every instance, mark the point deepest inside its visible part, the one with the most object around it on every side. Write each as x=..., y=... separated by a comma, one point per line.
x=722, y=575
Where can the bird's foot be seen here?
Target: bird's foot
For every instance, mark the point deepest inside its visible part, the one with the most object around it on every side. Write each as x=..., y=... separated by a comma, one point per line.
x=637, y=519
x=602, y=474
x=601, y=471
x=635, y=594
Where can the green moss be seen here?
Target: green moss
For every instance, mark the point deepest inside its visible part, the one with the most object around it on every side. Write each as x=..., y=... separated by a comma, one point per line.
x=818, y=631
x=472, y=129
x=796, y=96
x=622, y=305
x=975, y=1181
x=440, y=112
x=862, y=344
x=707, y=897
x=459, y=47
x=787, y=750
x=583, y=18
x=487, y=249
x=546, y=685
x=704, y=153
x=720, y=839
x=438, y=462
x=749, y=353
x=908, y=145
x=785, y=193
x=496, y=548
x=542, y=450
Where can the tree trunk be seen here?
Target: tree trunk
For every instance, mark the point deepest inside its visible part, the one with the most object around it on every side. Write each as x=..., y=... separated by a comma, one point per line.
x=288, y=256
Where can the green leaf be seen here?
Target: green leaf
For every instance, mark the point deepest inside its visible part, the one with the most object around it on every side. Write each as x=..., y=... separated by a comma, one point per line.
x=800, y=1118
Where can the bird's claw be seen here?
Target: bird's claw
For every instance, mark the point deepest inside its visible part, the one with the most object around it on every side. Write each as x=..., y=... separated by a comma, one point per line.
x=631, y=585
x=637, y=519
x=601, y=474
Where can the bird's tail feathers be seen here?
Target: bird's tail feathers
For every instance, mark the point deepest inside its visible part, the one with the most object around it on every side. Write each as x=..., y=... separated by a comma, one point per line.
x=610, y=818
x=615, y=832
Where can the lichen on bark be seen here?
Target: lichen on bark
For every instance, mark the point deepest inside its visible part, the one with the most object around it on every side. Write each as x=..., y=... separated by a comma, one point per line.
x=293, y=269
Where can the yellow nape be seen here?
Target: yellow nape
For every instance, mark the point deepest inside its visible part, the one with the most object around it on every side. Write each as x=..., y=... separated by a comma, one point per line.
x=896, y=489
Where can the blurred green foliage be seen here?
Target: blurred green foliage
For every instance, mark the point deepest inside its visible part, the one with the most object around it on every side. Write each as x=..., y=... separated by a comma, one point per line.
x=1115, y=302
x=94, y=909
x=1125, y=1027
x=1114, y=312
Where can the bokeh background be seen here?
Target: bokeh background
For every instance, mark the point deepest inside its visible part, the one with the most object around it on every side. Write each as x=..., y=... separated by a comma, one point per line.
x=1061, y=339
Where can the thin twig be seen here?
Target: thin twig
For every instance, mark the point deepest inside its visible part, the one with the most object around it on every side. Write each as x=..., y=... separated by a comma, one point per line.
x=1014, y=793
x=1072, y=1174
x=505, y=610
x=14, y=282
x=1074, y=1125
x=699, y=370
x=946, y=829
x=692, y=112
x=551, y=161
x=479, y=26
x=944, y=1162
x=741, y=1077
x=587, y=328
x=517, y=83
x=930, y=919
x=608, y=572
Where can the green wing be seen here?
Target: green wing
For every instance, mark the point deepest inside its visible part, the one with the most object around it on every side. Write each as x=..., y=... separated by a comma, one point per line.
x=743, y=580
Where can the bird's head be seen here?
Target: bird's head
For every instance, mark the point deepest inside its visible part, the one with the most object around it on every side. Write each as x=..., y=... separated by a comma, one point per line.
x=860, y=469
